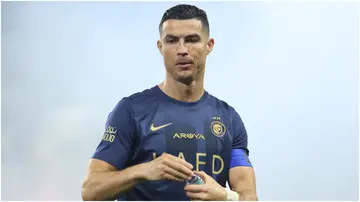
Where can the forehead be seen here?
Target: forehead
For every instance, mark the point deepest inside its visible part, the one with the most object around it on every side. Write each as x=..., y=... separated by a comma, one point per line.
x=181, y=27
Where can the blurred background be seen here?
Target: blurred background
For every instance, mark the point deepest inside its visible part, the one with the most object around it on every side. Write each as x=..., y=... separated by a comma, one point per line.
x=289, y=69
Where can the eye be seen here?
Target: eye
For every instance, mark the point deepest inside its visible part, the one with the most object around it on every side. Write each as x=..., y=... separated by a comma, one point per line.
x=170, y=40
x=193, y=39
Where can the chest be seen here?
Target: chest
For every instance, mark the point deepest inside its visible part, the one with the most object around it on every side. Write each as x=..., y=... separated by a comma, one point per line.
x=194, y=135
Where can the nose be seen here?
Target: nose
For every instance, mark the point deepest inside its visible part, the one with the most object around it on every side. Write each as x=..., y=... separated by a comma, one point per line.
x=182, y=50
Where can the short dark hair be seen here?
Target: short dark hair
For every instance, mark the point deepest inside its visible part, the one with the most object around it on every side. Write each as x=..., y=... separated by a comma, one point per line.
x=185, y=12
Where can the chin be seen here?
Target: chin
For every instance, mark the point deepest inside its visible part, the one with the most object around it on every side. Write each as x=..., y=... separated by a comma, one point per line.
x=187, y=80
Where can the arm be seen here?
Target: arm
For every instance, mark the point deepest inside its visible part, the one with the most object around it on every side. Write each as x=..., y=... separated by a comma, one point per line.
x=104, y=182
x=106, y=177
x=241, y=174
x=242, y=181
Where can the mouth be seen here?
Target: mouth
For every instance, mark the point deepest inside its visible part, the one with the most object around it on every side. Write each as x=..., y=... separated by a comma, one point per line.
x=184, y=64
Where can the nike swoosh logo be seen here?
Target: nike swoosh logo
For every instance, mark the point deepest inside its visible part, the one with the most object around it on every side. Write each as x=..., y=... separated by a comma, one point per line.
x=153, y=128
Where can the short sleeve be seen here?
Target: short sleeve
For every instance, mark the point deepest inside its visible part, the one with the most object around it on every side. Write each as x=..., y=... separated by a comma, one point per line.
x=240, y=137
x=115, y=146
x=240, y=151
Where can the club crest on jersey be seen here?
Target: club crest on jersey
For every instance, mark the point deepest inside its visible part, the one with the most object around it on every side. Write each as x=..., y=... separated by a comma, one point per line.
x=218, y=128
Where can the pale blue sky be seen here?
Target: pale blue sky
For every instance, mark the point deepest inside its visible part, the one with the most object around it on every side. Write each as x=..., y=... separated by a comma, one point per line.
x=289, y=69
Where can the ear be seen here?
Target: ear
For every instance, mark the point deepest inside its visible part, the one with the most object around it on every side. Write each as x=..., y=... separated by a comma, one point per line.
x=209, y=46
x=159, y=46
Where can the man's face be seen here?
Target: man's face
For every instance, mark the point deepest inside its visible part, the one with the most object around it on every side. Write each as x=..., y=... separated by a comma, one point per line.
x=184, y=45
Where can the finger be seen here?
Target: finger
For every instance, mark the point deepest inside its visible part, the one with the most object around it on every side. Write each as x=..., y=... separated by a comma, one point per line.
x=195, y=188
x=196, y=195
x=201, y=174
x=181, y=161
x=175, y=173
x=179, y=167
x=173, y=178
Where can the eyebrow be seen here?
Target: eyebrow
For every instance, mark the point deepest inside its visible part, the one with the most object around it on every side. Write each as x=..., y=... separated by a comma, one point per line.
x=193, y=35
x=170, y=36
x=187, y=36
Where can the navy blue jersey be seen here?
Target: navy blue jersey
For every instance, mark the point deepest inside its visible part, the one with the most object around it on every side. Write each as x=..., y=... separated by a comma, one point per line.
x=144, y=125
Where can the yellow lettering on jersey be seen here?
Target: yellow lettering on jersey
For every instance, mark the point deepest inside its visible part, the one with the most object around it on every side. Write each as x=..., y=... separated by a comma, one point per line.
x=213, y=164
x=181, y=155
x=198, y=136
x=188, y=136
x=108, y=137
x=198, y=162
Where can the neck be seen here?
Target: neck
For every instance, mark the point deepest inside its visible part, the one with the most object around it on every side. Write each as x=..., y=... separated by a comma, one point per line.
x=183, y=92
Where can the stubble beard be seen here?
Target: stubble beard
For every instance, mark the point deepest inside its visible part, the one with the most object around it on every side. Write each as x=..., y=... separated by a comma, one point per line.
x=187, y=80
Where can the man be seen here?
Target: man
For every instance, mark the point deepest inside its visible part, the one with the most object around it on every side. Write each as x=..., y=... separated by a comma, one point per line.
x=156, y=139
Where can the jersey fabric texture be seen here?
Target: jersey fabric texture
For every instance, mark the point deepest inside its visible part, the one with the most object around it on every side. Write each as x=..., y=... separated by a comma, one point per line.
x=208, y=133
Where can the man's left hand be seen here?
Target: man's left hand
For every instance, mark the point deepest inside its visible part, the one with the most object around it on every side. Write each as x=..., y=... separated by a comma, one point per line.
x=209, y=191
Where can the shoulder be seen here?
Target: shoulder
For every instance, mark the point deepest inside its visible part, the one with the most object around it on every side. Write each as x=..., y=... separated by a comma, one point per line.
x=223, y=105
x=233, y=116
x=137, y=100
